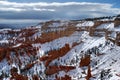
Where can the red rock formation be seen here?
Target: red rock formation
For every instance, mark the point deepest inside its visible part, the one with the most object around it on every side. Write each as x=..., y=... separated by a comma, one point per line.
x=89, y=75
x=54, y=69
x=2, y=54
x=16, y=76
x=43, y=58
x=55, y=54
x=75, y=44
x=117, y=40
x=35, y=77
x=25, y=48
x=28, y=66
x=85, y=61
x=117, y=22
x=49, y=36
x=96, y=24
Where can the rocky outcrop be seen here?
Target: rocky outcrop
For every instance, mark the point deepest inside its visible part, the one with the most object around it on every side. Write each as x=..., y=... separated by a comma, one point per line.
x=55, y=69
x=89, y=75
x=54, y=54
x=16, y=76
x=35, y=77
x=85, y=61
x=117, y=22
x=2, y=54
x=117, y=40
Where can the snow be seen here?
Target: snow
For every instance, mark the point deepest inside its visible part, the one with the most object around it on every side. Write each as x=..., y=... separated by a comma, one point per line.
x=112, y=19
x=38, y=26
x=6, y=79
x=86, y=23
x=36, y=35
x=117, y=29
x=6, y=29
x=58, y=24
x=4, y=41
x=40, y=52
x=60, y=42
x=54, y=25
x=113, y=35
x=61, y=74
x=4, y=67
x=18, y=45
x=109, y=26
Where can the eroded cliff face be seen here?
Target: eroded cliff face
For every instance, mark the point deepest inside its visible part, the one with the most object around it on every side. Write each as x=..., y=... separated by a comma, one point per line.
x=62, y=50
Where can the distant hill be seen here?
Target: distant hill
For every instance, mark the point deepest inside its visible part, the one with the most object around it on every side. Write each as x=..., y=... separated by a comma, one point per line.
x=17, y=25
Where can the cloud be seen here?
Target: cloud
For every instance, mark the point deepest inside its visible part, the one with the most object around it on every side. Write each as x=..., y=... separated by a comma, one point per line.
x=11, y=9
x=55, y=10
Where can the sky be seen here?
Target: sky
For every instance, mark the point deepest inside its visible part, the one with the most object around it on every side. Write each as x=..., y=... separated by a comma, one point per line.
x=40, y=10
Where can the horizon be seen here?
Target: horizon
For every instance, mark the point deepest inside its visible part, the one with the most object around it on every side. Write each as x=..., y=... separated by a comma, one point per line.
x=37, y=21
x=19, y=24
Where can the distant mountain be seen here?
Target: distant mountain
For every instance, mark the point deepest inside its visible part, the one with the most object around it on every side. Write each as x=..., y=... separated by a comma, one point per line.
x=5, y=26
x=16, y=26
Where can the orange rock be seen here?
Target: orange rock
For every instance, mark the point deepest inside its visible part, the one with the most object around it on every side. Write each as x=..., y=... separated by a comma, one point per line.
x=2, y=54
x=43, y=58
x=55, y=69
x=35, y=77
x=56, y=54
x=28, y=66
x=16, y=76
x=85, y=61
x=89, y=75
